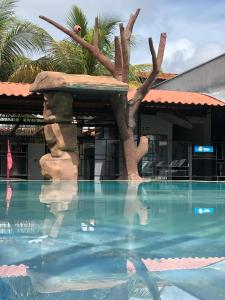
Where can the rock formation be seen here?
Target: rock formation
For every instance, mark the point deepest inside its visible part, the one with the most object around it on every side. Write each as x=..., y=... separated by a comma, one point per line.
x=60, y=134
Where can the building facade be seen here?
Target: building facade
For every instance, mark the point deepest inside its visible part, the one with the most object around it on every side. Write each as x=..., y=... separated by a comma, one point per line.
x=186, y=134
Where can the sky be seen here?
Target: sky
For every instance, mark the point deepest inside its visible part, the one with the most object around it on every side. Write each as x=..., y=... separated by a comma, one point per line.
x=195, y=28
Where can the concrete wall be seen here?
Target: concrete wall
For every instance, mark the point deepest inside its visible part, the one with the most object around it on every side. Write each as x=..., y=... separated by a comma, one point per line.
x=153, y=125
x=208, y=78
x=35, y=152
x=201, y=131
x=200, y=134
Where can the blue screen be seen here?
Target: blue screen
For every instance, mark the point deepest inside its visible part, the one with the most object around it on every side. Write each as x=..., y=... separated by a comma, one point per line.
x=204, y=210
x=203, y=149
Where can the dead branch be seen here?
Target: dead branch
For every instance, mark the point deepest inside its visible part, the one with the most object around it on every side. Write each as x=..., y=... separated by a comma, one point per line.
x=142, y=148
x=156, y=66
x=118, y=58
x=144, y=88
x=104, y=60
x=141, y=92
x=96, y=33
x=122, y=48
x=161, y=49
x=125, y=55
x=130, y=24
x=122, y=51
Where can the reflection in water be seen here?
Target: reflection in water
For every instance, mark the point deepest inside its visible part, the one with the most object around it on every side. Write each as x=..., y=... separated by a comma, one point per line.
x=58, y=197
x=83, y=242
x=81, y=251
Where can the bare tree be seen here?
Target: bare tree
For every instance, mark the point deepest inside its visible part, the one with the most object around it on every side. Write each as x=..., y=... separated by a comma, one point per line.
x=125, y=109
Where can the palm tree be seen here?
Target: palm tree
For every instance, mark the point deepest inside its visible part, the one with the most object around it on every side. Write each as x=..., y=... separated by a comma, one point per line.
x=66, y=56
x=72, y=58
x=25, y=69
x=17, y=39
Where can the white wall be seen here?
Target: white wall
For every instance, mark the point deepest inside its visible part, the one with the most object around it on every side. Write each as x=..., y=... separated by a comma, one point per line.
x=35, y=152
x=207, y=77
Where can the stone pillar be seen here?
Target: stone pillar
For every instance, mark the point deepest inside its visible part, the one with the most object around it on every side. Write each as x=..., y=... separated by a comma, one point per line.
x=60, y=134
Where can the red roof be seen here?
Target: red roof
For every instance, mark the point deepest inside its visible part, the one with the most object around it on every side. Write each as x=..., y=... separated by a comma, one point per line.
x=154, y=96
x=152, y=265
x=184, y=263
x=175, y=97
x=161, y=75
x=14, y=89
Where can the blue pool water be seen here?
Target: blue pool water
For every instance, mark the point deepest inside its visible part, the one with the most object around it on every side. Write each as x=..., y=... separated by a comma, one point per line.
x=84, y=241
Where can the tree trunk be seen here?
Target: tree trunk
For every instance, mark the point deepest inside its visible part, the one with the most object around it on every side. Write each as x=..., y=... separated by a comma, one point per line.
x=130, y=162
x=131, y=153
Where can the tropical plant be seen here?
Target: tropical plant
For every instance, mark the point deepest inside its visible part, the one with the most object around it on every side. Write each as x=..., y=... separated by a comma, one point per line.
x=72, y=58
x=138, y=73
x=17, y=39
x=65, y=56
x=25, y=69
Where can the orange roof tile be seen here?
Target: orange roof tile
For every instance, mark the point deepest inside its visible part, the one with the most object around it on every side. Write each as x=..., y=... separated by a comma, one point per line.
x=13, y=270
x=161, y=75
x=166, y=76
x=154, y=96
x=152, y=265
x=175, y=97
x=14, y=89
x=176, y=263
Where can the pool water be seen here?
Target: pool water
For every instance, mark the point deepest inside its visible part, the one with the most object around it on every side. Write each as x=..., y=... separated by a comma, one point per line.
x=112, y=240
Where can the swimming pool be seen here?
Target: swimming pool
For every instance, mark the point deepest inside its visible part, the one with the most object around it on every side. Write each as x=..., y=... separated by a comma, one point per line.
x=112, y=240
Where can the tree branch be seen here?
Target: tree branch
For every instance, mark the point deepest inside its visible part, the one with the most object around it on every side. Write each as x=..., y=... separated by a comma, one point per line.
x=161, y=49
x=156, y=66
x=104, y=60
x=130, y=24
x=118, y=58
x=141, y=92
x=122, y=48
x=125, y=56
x=145, y=87
x=96, y=33
x=142, y=148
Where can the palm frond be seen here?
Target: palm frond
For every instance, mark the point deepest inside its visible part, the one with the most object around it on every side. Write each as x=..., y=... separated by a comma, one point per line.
x=7, y=10
x=134, y=75
x=107, y=26
x=23, y=37
x=25, y=73
x=67, y=57
x=143, y=67
x=26, y=70
x=77, y=17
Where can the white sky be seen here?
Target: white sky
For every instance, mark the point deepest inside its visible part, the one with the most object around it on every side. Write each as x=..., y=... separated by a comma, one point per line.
x=195, y=28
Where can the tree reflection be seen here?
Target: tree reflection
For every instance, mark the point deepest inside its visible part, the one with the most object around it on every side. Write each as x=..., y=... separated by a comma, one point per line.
x=87, y=240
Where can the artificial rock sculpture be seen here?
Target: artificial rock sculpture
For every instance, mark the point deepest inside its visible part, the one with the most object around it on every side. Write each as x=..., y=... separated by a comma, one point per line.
x=60, y=134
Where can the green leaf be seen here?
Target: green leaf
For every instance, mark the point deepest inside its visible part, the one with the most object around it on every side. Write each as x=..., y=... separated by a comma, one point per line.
x=7, y=10
x=77, y=17
x=20, y=38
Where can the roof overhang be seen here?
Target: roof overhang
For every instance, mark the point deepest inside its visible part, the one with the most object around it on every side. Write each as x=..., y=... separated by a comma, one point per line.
x=77, y=84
